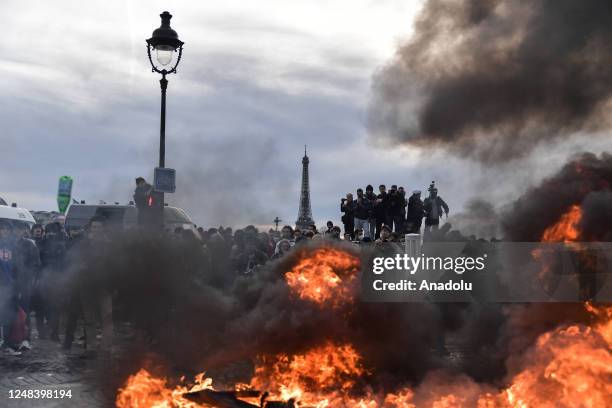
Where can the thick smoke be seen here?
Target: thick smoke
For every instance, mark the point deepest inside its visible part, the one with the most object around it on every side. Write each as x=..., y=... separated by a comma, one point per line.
x=585, y=180
x=193, y=314
x=490, y=79
x=597, y=216
x=479, y=218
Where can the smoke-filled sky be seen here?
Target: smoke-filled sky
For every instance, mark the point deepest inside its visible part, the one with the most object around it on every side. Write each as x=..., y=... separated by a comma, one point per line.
x=258, y=80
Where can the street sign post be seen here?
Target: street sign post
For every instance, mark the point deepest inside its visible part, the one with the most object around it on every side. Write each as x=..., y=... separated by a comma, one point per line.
x=164, y=180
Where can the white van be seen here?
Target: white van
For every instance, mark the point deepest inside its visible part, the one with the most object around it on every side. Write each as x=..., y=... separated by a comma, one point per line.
x=126, y=216
x=16, y=216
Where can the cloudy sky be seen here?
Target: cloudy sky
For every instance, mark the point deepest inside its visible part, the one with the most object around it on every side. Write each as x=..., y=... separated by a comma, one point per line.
x=257, y=82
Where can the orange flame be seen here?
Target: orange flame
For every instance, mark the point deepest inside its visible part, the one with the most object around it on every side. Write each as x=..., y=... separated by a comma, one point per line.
x=566, y=229
x=314, y=377
x=143, y=390
x=325, y=276
x=569, y=366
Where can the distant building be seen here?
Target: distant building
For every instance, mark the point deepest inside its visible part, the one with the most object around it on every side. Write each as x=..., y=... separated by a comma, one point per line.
x=304, y=219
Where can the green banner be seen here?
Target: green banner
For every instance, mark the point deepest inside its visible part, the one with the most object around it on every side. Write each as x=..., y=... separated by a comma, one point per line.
x=64, y=193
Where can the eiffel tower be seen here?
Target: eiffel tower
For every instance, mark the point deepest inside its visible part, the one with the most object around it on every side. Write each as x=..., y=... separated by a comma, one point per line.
x=305, y=213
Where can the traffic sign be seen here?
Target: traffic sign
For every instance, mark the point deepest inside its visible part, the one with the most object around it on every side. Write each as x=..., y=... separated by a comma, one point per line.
x=164, y=180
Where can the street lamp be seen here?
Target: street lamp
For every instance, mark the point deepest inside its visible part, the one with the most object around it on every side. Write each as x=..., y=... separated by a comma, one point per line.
x=166, y=43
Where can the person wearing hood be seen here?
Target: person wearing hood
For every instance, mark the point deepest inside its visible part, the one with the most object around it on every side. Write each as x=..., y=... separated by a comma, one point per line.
x=141, y=195
x=282, y=247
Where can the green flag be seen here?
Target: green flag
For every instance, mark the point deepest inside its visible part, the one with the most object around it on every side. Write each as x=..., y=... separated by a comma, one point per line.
x=64, y=193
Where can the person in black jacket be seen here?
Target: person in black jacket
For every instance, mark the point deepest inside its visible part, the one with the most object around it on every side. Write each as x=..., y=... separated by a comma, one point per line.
x=371, y=197
x=396, y=206
x=141, y=195
x=415, y=213
x=380, y=209
x=90, y=266
x=363, y=211
x=52, y=256
x=402, y=212
x=37, y=300
x=347, y=206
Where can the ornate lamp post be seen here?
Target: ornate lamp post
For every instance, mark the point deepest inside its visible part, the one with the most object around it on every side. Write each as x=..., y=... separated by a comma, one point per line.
x=165, y=42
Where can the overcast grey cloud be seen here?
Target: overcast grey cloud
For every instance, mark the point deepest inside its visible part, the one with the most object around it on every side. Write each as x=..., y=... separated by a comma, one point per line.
x=257, y=82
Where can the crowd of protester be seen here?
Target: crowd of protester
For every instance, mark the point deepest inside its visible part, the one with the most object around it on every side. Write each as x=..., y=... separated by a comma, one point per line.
x=370, y=216
x=48, y=275
x=42, y=275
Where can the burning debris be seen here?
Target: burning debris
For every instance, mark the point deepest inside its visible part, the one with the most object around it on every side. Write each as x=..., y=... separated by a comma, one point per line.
x=569, y=366
x=338, y=363
x=331, y=370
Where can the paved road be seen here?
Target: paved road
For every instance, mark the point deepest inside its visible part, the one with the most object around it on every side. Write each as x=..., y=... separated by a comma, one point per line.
x=47, y=367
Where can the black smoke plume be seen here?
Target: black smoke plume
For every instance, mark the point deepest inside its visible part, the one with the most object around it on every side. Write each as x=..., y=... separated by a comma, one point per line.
x=193, y=313
x=490, y=79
